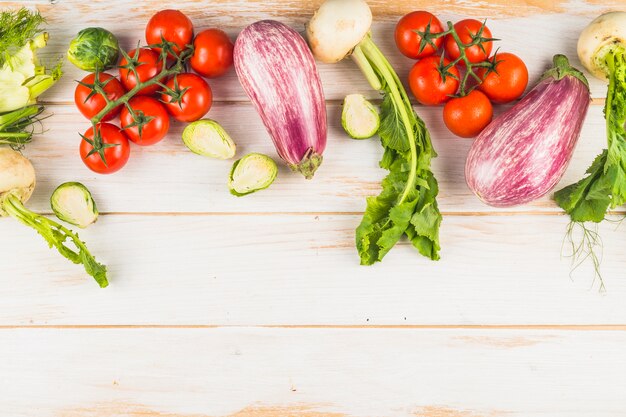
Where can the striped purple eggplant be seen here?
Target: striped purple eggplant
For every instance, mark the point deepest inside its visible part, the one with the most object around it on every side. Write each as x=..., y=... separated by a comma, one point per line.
x=523, y=154
x=277, y=71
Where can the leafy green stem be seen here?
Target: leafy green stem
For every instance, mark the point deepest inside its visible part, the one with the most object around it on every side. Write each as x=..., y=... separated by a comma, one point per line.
x=56, y=235
x=604, y=187
x=407, y=205
x=382, y=66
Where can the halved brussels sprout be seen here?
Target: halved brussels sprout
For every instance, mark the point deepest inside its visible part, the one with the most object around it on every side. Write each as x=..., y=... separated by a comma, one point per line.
x=359, y=118
x=72, y=202
x=94, y=48
x=252, y=173
x=207, y=138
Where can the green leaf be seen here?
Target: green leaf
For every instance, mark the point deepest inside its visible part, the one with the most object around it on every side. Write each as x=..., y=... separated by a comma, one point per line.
x=56, y=235
x=392, y=131
x=604, y=186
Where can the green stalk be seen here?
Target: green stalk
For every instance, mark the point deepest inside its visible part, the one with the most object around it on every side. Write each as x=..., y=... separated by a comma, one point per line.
x=13, y=125
x=370, y=74
x=56, y=235
x=10, y=118
x=381, y=66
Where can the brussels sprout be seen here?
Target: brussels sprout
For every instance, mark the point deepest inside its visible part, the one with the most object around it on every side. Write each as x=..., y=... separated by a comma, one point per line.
x=252, y=173
x=359, y=117
x=207, y=138
x=72, y=202
x=94, y=48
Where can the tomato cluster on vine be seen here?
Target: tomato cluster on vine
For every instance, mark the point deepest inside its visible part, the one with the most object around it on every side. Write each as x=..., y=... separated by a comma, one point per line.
x=455, y=68
x=151, y=86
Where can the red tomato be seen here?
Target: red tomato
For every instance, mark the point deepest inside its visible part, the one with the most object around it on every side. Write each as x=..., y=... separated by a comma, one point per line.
x=116, y=156
x=150, y=66
x=428, y=85
x=195, y=102
x=171, y=25
x=213, y=53
x=468, y=116
x=151, y=132
x=408, y=41
x=90, y=107
x=468, y=29
x=509, y=80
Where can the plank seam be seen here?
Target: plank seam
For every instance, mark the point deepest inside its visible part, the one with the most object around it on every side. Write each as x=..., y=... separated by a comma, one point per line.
x=520, y=327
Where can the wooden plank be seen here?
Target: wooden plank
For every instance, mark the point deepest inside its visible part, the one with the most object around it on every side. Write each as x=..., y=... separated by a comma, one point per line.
x=169, y=178
x=304, y=270
x=523, y=27
x=311, y=373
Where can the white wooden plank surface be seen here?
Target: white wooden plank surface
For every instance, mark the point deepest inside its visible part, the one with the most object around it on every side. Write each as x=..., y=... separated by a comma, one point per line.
x=488, y=331
x=303, y=269
x=311, y=373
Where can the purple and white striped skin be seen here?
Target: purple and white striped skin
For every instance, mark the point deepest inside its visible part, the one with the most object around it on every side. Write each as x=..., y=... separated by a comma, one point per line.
x=278, y=72
x=523, y=154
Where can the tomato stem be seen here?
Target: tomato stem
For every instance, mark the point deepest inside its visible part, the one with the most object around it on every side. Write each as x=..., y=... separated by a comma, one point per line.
x=477, y=40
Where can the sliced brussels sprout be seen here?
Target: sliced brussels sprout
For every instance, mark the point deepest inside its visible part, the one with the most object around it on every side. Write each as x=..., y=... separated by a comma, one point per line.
x=207, y=138
x=94, y=48
x=72, y=202
x=359, y=118
x=252, y=173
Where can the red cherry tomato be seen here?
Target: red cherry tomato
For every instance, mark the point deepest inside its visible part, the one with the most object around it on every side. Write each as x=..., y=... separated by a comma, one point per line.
x=173, y=26
x=151, y=132
x=116, y=156
x=90, y=107
x=428, y=85
x=466, y=30
x=150, y=66
x=509, y=80
x=195, y=102
x=409, y=42
x=213, y=53
x=468, y=116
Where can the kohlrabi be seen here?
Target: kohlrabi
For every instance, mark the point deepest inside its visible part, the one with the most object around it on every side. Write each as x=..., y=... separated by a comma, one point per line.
x=17, y=182
x=407, y=204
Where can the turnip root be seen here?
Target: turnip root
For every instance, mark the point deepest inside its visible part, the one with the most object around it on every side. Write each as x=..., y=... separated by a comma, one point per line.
x=337, y=27
x=603, y=36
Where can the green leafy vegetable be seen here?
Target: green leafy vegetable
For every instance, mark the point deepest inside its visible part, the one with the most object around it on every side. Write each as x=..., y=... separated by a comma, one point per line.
x=94, y=49
x=407, y=205
x=22, y=78
x=17, y=127
x=604, y=187
x=56, y=235
x=17, y=28
x=254, y=172
x=359, y=117
x=73, y=203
